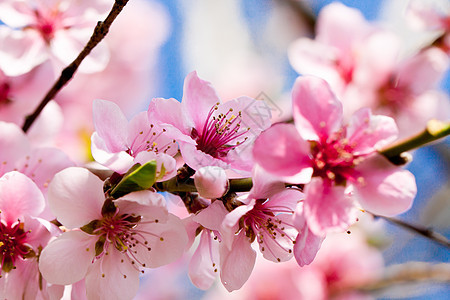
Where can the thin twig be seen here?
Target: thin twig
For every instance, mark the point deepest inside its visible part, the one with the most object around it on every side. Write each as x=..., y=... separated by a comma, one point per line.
x=423, y=231
x=99, y=33
x=407, y=273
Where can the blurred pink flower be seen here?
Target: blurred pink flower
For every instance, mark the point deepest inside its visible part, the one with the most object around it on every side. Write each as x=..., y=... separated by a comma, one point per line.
x=211, y=133
x=344, y=262
x=361, y=63
x=335, y=159
x=56, y=30
x=116, y=240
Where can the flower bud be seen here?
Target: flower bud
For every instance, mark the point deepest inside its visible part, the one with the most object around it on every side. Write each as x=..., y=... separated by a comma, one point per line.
x=211, y=182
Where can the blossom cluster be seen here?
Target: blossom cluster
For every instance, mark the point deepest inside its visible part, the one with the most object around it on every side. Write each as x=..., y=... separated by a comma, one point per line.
x=247, y=184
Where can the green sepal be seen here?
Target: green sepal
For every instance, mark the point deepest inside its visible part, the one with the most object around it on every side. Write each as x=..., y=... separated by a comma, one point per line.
x=91, y=226
x=138, y=178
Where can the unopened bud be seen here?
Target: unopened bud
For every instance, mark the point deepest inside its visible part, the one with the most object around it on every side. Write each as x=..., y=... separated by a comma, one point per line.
x=211, y=182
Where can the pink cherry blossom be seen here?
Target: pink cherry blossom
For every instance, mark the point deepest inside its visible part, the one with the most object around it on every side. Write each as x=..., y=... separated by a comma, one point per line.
x=265, y=216
x=118, y=144
x=332, y=55
x=116, y=241
x=56, y=30
x=341, y=159
x=22, y=235
x=38, y=163
x=211, y=133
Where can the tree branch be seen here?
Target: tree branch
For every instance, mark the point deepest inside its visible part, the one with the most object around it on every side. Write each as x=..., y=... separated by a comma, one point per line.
x=434, y=130
x=423, y=231
x=99, y=33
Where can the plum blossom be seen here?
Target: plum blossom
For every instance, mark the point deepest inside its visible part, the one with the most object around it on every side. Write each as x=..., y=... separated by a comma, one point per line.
x=211, y=133
x=118, y=144
x=22, y=236
x=338, y=162
x=109, y=242
x=56, y=30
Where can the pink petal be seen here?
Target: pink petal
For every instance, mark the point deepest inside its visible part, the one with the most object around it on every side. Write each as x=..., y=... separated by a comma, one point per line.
x=307, y=244
x=167, y=242
x=317, y=112
x=20, y=51
x=281, y=151
x=384, y=188
x=144, y=135
x=286, y=199
x=19, y=196
x=377, y=60
x=199, y=97
x=423, y=71
x=67, y=259
x=14, y=145
x=230, y=224
x=328, y=208
x=278, y=249
x=264, y=184
x=111, y=279
x=212, y=216
x=111, y=125
x=204, y=264
x=119, y=162
x=67, y=44
x=197, y=159
x=76, y=197
x=148, y=204
x=341, y=26
x=369, y=133
x=310, y=57
x=16, y=14
x=169, y=111
x=42, y=164
x=237, y=263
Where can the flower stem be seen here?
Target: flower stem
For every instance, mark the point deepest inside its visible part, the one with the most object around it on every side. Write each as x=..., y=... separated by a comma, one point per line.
x=434, y=130
x=99, y=33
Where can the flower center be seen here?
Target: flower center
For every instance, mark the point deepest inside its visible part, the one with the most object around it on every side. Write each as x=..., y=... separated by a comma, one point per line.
x=151, y=140
x=5, y=89
x=13, y=245
x=46, y=24
x=265, y=224
x=392, y=96
x=221, y=133
x=122, y=232
x=333, y=159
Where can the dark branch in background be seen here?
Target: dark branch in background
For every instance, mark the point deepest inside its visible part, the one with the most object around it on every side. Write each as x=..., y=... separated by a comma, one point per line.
x=424, y=231
x=303, y=12
x=395, y=275
x=100, y=32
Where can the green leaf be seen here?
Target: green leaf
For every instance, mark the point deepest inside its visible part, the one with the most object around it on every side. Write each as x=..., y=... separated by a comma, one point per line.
x=138, y=178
